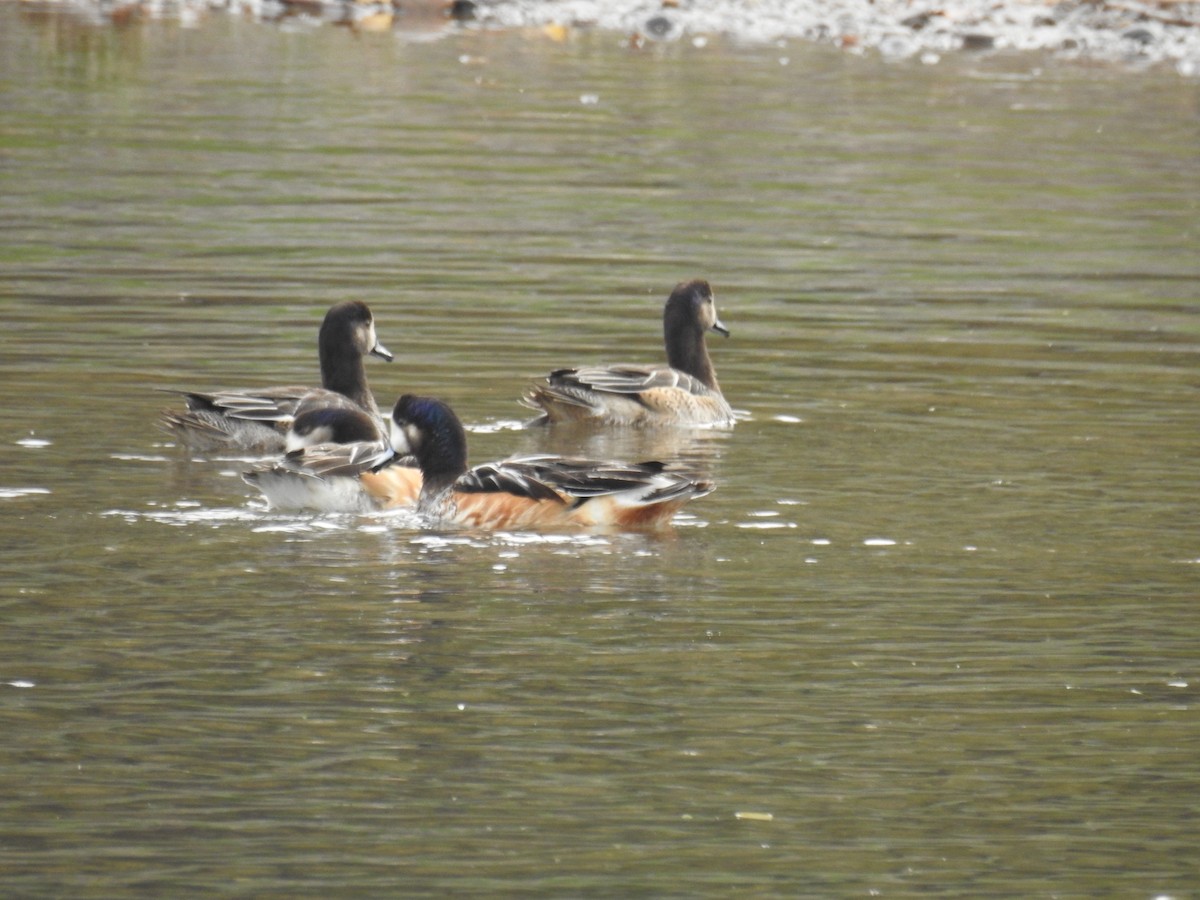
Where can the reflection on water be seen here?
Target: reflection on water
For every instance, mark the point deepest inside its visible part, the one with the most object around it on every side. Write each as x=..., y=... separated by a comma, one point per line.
x=934, y=632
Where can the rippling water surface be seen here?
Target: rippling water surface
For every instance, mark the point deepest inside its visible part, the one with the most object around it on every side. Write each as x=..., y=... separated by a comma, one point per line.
x=934, y=634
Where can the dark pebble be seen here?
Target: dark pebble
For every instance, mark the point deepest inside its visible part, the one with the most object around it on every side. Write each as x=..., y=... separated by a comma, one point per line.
x=659, y=26
x=978, y=42
x=917, y=22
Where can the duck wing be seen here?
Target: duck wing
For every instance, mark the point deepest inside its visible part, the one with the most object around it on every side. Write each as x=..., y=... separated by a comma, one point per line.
x=508, y=477
x=332, y=460
x=276, y=404
x=626, y=379
x=569, y=479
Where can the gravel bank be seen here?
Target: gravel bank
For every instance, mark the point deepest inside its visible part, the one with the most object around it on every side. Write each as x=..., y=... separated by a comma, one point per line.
x=1129, y=32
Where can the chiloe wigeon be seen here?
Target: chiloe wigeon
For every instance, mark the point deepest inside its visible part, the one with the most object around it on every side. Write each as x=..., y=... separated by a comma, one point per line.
x=684, y=392
x=257, y=420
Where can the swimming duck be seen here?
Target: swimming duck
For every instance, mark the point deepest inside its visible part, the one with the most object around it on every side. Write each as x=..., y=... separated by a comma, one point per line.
x=534, y=492
x=684, y=392
x=326, y=417
x=258, y=420
x=349, y=476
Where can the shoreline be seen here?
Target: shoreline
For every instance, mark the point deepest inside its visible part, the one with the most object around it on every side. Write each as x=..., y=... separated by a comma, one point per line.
x=1132, y=34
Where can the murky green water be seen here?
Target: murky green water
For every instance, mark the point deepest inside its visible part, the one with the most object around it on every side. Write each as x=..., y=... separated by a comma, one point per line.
x=935, y=634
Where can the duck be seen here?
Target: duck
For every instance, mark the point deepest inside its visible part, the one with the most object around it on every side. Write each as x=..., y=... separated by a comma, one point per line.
x=338, y=477
x=539, y=493
x=683, y=392
x=327, y=417
x=260, y=420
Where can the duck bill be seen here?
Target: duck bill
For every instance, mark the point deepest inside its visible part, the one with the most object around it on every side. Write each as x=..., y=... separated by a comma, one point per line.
x=382, y=352
x=385, y=459
x=719, y=328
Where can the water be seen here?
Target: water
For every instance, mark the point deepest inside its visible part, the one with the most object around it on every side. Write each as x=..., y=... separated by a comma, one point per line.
x=934, y=634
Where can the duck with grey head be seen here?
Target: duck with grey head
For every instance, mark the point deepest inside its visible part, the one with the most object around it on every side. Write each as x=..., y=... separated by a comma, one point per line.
x=684, y=392
x=275, y=419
